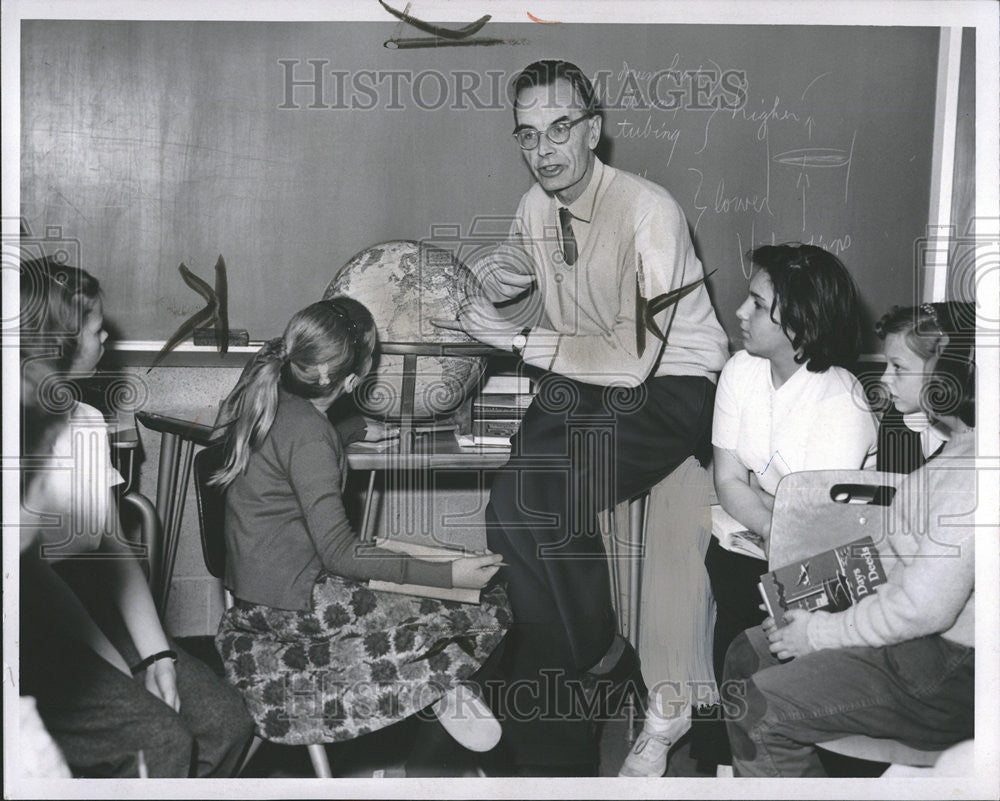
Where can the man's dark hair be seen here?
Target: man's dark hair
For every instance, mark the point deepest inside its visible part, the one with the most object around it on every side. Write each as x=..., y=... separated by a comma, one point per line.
x=817, y=302
x=546, y=72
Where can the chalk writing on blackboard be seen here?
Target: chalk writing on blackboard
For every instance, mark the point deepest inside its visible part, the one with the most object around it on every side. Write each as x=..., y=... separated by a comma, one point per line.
x=673, y=89
x=645, y=129
x=807, y=159
x=836, y=244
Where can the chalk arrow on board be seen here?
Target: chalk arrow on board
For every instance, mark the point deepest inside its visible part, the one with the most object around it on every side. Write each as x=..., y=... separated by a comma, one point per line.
x=216, y=311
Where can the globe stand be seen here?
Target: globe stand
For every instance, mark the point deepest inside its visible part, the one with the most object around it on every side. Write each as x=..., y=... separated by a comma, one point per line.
x=408, y=389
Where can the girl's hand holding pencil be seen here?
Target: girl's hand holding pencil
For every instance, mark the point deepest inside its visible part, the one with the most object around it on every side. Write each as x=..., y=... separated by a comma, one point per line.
x=473, y=572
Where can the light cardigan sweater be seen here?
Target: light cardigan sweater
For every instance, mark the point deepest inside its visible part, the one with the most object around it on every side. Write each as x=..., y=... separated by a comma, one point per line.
x=626, y=228
x=929, y=561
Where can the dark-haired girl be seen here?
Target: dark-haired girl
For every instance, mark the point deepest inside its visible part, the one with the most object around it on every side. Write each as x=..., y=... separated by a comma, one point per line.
x=319, y=656
x=900, y=663
x=786, y=403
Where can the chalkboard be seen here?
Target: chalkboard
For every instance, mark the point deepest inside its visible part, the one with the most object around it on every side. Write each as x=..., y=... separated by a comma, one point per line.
x=289, y=147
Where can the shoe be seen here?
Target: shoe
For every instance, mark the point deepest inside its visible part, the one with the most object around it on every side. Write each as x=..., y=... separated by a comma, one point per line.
x=648, y=756
x=467, y=719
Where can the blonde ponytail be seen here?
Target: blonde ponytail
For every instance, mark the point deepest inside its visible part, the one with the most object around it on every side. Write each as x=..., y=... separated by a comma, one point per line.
x=248, y=412
x=323, y=344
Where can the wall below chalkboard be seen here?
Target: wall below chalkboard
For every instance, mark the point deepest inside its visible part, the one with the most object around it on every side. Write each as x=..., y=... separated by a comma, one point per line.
x=289, y=147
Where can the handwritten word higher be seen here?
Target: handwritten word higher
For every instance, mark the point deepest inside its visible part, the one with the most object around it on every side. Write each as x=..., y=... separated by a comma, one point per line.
x=774, y=114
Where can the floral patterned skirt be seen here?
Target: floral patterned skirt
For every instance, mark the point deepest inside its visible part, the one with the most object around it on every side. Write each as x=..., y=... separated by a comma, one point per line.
x=357, y=661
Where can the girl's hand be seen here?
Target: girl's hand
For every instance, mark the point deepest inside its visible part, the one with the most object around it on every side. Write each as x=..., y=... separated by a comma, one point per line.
x=793, y=639
x=161, y=681
x=473, y=572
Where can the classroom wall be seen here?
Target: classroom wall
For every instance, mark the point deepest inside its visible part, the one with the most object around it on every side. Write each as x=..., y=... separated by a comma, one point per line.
x=155, y=143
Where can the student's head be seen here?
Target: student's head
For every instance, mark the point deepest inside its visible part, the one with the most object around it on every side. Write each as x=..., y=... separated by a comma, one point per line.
x=557, y=124
x=62, y=318
x=802, y=302
x=326, y=350
x=930, y=358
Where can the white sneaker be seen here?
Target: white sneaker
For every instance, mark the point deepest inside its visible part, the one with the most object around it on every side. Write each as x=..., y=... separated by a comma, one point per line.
x=648, y=756
x=467, y=719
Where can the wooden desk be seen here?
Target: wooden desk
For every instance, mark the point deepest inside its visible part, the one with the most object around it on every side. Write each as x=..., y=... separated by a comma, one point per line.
x=181, y=429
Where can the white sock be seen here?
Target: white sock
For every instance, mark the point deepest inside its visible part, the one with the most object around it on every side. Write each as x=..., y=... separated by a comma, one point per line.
x=657, y=722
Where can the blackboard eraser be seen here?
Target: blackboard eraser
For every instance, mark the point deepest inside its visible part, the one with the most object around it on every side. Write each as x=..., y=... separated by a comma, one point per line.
x=206, y=336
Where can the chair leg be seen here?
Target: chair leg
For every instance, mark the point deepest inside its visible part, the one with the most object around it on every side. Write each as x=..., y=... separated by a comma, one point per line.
x=254, y=745
x=321, y=764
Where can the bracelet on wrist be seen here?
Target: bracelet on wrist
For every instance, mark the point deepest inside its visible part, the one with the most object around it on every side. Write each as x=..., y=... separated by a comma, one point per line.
x=138, y=667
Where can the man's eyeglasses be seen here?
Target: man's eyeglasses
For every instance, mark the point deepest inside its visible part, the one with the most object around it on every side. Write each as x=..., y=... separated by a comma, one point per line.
x=557, y=133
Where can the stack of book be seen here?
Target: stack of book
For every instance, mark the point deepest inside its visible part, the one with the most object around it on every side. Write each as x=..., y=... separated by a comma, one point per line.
x=431, y=553
x=498, y=409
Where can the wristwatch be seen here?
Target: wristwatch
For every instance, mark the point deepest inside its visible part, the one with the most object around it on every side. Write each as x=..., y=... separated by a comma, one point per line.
x=520, y=340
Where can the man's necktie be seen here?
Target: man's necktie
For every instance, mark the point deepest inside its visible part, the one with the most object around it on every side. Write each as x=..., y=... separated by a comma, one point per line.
x=568, y=240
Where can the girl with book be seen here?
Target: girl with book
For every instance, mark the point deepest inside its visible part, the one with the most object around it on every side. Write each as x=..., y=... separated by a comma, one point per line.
x=108, y=681
x=786, y=403
x=900, y=663
x=318, y=655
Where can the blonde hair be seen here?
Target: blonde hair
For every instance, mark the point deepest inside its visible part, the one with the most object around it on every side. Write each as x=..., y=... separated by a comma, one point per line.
x=322, y=345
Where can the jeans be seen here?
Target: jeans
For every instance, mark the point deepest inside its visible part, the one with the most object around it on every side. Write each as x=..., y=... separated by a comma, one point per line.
x=919, y=692
x=101, y=718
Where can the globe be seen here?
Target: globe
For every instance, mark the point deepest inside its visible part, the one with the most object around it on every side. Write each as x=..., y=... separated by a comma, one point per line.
x=405, y=285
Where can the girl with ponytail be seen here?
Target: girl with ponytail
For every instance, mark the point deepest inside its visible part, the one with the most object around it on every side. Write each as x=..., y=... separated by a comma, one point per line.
x=303, y=616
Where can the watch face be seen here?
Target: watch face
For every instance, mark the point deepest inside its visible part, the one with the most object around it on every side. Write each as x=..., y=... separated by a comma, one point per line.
x=518, y=343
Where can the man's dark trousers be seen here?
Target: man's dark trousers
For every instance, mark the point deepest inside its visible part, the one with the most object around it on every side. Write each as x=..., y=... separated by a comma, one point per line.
x=581, y=448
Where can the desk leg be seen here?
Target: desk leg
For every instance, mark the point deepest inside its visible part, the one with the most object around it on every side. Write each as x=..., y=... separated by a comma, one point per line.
x=171, y=492
x=166, y=481
x=371, y=505
x=172, y=535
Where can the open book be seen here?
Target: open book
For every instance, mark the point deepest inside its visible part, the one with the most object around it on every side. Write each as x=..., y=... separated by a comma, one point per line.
x=734, y=536
x=431, y=553
x=832, y=580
